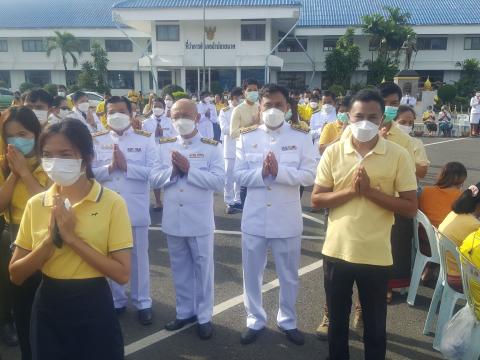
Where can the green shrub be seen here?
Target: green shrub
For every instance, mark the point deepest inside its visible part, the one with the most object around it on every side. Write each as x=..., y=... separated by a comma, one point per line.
x=51, y=89
x=447, y=93
x=177, y=95
x=338, y=90
x=26, y=86
x=170, y=89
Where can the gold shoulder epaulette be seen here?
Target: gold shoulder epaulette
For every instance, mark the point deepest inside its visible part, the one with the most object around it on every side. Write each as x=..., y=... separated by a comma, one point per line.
x=166, y=140
x=100, y=133
x=226, y=108
x=248, y=129
x=209, y=141
x=300, y=127
x=316, y=110
x=143, y=133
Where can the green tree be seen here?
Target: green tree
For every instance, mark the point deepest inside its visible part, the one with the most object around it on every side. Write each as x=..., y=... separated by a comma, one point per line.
x=170, y=89
x=469, y=78
x=87, y=77
x=26, y=86
x=447, y=93
x=343, y=60
x=51, y=89
x=67, y=44
x=387, y=35
x=100, y=64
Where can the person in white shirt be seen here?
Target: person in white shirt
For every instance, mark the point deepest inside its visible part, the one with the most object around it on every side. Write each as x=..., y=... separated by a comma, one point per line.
x=475, y=114
x=409, y=100
x=208, y=115
x=83, y=112
x=40, y=102
x=232, y=189
x=59, y=110
x=320, y=117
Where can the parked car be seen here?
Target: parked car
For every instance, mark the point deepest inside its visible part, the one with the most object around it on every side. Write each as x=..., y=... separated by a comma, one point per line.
x=93, y=98
x=6, y=98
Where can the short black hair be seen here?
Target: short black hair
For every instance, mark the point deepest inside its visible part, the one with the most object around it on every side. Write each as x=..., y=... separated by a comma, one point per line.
x=345, y=102
x=204, y=94
x=403, y=109
x=79, y=136
x=119, y=99
x=236, y=91
x=160, y=100
x=388, y=88
x=108, y=93
x=367, y=95
x=77, y=95
x=39, y=95
x=466, y=203
x=250, y=81
x=57, y=100
x=315, y=97
x=271, y=88
x=328, y=93
x=316, y=89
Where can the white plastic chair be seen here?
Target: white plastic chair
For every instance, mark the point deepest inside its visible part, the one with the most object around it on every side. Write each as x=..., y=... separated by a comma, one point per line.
x=471, y=274
x=420, y=259
x=449, y=296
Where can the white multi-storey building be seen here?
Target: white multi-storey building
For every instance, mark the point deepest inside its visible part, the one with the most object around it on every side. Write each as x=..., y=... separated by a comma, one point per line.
x=165, y=37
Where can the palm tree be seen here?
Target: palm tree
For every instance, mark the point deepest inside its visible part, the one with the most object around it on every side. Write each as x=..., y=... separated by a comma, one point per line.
x=68, y=44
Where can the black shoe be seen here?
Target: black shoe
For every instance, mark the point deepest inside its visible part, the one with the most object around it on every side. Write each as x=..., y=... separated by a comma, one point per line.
x=120, y=310
x=179, y=323
x=249, y=336
x=205, y=331
x=9, y=334
x=295, y=336
x=145, y=316
x=231, y=209
x=238, y=206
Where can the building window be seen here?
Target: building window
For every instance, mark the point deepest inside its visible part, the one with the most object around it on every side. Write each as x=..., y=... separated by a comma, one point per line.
x=291, y=79
x=120, y=79
x=164, y=78
x=291, y=44
x=168, y=32
x=329, y=44
x=5, y=78
x=84, y=45
x=38, y=77
x=3, y=45
x=471, y=43
x=432, y=43
x=118, y=46
x=33, y=45
x=253, y=73
x=253, y=32
x=72, y=77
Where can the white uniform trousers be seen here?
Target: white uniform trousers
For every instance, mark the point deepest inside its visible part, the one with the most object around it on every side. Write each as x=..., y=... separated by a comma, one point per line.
x=140, y=276
x=191, y=259
x=474, y=118
x=232, y=190
x=286, y=253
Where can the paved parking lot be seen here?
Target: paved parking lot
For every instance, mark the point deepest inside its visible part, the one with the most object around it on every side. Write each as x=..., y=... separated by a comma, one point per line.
x=405, y=324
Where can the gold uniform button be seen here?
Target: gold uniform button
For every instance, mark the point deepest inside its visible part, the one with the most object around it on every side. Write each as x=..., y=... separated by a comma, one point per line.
x=181, y=205
x=269, y=205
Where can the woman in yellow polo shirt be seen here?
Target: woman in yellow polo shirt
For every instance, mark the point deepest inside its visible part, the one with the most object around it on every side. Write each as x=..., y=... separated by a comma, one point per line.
x=77, y=233
x=460, y=222
x=21, y=178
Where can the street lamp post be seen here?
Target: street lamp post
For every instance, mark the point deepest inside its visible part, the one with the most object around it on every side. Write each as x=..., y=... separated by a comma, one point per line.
x=204, y=87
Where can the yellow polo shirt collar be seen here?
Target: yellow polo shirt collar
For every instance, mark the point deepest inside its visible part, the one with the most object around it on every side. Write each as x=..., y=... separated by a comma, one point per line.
x=94, y=195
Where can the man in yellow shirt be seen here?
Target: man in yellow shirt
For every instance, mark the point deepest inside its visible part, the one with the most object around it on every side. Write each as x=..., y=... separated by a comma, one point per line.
x=100, y=110
x=357, y=179
x=247, y=113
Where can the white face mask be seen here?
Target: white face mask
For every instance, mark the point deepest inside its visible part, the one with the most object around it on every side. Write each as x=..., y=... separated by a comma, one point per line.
x=184, y=126
x=194, y=98
x=61, y=93
x=42, y=116
x=364, y=130
x=63, y=113
x=83, y=107
x=313, y=104
x=328, y=108
x=63, y=172
x=169, y=103
x=273, y=117
x=407, y=129
x=207, y=100
x=118, y=121
x=158, y=111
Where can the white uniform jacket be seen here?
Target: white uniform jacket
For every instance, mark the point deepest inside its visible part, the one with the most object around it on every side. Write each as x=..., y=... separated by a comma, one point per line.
x=272, y=208
x=139, y=150
x=224, y=119
x=188, y=200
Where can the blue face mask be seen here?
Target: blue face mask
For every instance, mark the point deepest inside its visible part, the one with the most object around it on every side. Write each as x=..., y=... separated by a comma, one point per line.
x=252, y=96
x=288, y=115
x=24, y=145
x=390, y=113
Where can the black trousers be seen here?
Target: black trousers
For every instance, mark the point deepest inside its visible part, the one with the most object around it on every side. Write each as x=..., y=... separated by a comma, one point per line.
x=5, y=285
x=372, y=289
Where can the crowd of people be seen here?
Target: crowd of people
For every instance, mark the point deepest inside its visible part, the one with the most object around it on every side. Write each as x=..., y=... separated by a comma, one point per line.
x=75, y=186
